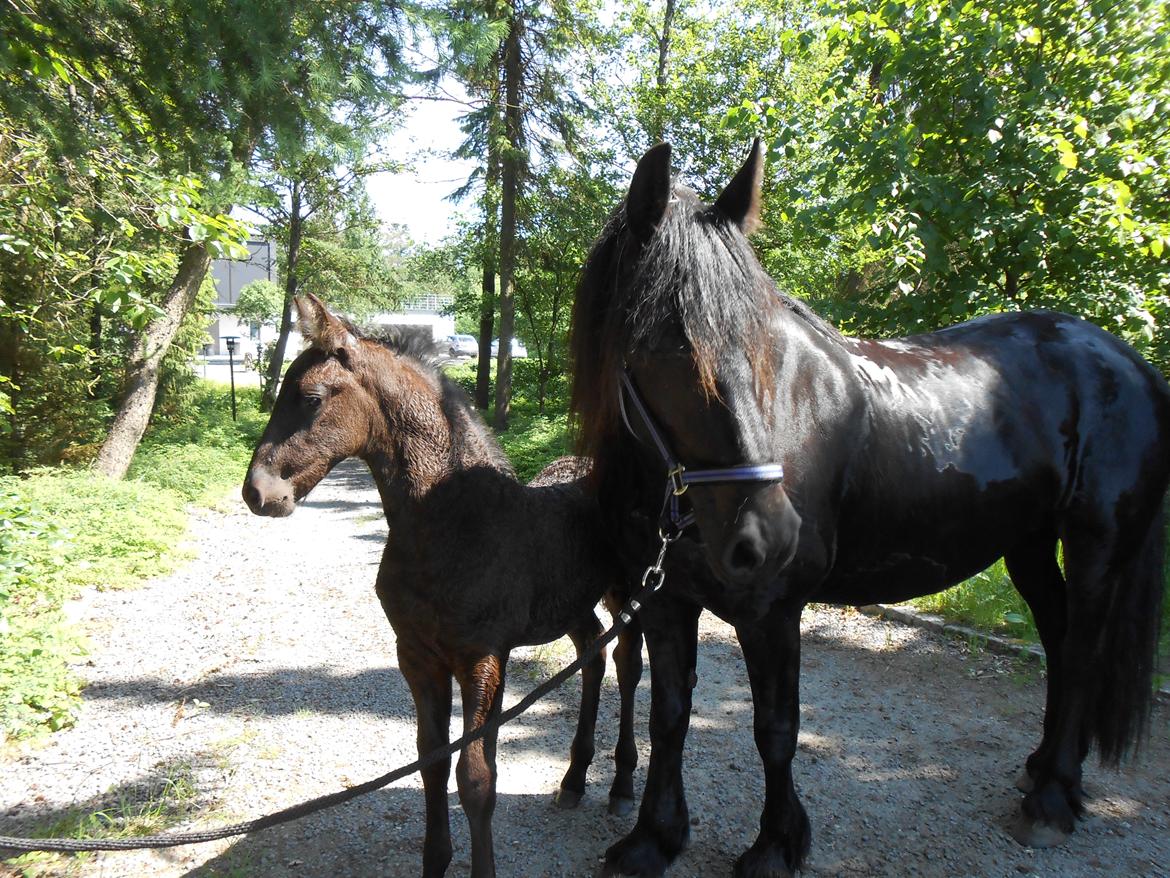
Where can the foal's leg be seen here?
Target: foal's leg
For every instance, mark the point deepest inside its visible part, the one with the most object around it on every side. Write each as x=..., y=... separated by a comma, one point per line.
x=771, y=650
x=1036, y=575
x=627, y=659
x=581, y=753
x=662, y=828
x=431, y=687
x=482, y=685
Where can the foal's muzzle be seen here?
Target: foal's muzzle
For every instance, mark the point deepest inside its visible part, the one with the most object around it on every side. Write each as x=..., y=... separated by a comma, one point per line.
x=268, y=494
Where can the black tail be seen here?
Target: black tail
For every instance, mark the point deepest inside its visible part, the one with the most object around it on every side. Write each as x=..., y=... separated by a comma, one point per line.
x=1119, y=719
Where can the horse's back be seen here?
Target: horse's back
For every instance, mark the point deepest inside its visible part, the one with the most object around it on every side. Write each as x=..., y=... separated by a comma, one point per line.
x=987, y=433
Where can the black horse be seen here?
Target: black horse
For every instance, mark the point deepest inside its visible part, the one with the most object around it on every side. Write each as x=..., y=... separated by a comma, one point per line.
x=909, y=465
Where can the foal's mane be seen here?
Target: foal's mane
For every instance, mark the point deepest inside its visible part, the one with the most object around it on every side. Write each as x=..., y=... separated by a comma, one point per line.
x=698, y=272
x=467, y=427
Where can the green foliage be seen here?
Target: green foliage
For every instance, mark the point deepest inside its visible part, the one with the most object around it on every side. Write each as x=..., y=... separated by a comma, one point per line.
x=117, y=532
x=36, y=688
x=106, y=534
x=88, y=246
x=533, y=439
x=198, y=451
x=992, y=157
x=260, y=301
x=987, y=601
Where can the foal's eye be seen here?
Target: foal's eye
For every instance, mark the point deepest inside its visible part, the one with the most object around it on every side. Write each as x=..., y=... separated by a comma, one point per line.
x=313, y=401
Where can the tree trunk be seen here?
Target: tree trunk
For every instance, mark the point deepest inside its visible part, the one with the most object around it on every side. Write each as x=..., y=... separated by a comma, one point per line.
x=296, y=224
x=491, y=237
x=657, y=128
x=510, y=166
x=143, y=373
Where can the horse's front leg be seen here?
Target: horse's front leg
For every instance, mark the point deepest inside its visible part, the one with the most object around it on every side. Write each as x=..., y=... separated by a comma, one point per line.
x=771, y=650
x=661, y=832
x=482, y=685
x=627, y=659
x=430, y=684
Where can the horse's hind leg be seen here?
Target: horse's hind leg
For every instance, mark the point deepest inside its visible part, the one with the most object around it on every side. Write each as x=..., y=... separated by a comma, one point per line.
x=581, y=753
x=430, y=685
x=1114, y=584
x=482, y=686
x=1036, y=575
x=627, y=658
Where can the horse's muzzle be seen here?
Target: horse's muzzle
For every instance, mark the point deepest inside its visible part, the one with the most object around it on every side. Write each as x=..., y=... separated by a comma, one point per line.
x=760, y=541
x=267, y=494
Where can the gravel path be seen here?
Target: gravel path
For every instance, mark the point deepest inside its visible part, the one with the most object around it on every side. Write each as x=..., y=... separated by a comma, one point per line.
x=264, y=673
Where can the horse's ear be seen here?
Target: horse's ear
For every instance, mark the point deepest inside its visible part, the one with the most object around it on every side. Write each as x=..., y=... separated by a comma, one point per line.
x=323, y=331
x=649, y=192
x=740, y=201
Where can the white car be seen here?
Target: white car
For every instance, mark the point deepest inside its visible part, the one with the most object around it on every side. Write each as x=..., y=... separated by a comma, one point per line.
x=518, y=349
x=462, y=346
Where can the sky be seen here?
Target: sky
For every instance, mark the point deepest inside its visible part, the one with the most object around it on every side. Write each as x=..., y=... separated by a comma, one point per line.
x=416, y=197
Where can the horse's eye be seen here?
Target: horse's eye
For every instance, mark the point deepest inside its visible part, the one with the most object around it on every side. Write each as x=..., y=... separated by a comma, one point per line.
x=313, y=401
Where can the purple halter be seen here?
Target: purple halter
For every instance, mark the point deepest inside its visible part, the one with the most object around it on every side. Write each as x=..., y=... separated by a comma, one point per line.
x=678, y=477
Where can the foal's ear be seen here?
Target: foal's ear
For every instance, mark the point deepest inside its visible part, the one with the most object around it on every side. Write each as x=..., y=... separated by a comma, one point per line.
x=649, y=192
x=740, y=201
x=323, y=331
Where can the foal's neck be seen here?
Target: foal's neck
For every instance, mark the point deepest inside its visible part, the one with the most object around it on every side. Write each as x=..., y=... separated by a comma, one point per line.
x=428, y=434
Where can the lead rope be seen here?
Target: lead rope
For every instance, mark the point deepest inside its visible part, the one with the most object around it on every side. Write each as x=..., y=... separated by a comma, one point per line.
x=652, y=580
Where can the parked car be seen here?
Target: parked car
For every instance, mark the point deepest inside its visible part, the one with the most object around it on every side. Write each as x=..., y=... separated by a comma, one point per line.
x=462, y=346
x=518, y=349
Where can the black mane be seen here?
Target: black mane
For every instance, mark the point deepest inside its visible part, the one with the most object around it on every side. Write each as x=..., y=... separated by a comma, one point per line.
x=697, y=275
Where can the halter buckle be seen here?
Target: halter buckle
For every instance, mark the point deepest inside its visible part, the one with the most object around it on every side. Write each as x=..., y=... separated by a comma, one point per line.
x=675, y=476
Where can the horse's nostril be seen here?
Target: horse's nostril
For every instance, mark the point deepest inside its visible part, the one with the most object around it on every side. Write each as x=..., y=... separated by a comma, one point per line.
x=251, y=494
x=745, y=556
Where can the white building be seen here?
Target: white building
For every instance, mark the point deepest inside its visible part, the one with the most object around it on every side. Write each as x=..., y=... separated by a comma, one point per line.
x=231, y=276
x=423, y=313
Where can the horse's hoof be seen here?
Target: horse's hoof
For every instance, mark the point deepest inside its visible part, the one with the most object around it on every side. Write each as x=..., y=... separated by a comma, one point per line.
x=567, y=798
x=766, y=859
x=1036, y=834
x=774, y=867
x=640, y=853
x=620, y=806
x=1025, y=783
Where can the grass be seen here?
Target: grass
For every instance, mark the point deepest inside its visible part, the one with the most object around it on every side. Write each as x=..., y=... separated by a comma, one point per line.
x=168, y=796
x=67, y=528
x=533, y=438
x=987, y=601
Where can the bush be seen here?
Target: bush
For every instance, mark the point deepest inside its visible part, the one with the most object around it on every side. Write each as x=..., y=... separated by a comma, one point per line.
x=113, y=534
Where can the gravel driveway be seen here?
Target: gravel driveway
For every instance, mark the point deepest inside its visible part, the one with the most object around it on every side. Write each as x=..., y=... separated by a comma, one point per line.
x=264, y=673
